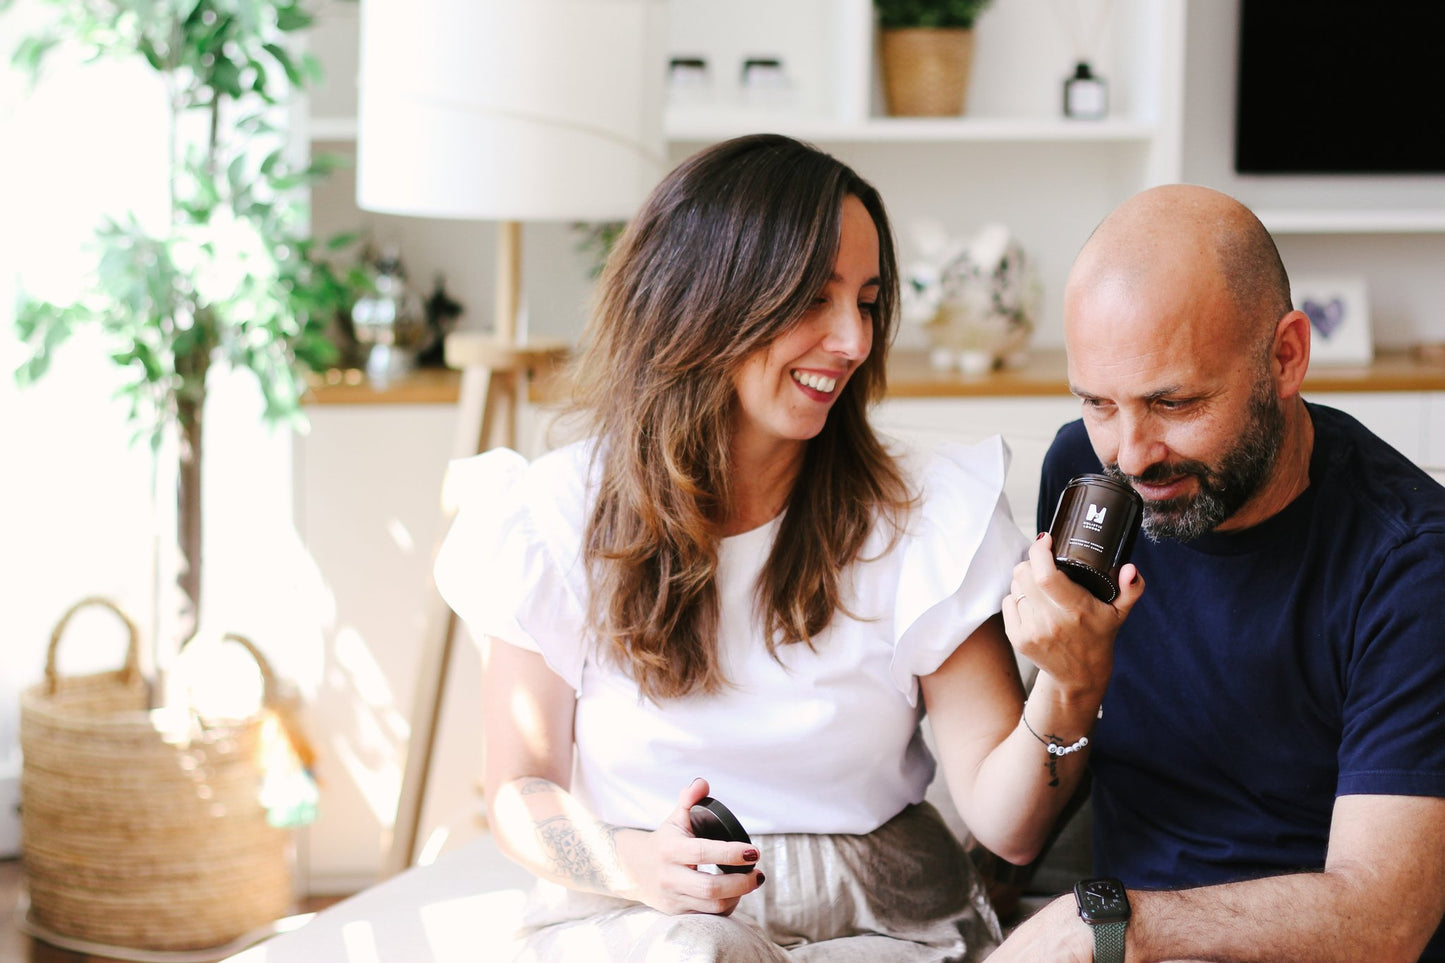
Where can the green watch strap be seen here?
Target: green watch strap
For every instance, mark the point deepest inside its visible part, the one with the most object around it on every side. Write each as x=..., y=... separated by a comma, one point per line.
x=1109, y=942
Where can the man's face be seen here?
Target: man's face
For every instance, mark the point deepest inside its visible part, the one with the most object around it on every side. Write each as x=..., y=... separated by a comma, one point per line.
x=1185, y=413
x=1221, y=487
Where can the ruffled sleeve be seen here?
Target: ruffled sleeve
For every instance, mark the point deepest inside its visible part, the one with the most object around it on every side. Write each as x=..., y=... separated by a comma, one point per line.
x=510, y=564
x=958, y=557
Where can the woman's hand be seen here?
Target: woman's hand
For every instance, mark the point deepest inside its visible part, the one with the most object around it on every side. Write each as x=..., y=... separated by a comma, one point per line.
x=664, y=863
x=1061, y=627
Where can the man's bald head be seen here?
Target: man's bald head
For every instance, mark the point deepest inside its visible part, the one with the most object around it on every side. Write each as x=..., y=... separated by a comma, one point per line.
x=1188, y=359
x=1184, y=234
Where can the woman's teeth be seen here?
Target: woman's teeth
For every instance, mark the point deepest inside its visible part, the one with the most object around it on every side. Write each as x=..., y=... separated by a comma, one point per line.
x=816, y=381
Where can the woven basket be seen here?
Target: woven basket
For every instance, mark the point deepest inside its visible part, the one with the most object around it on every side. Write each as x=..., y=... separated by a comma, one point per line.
x=143, y=828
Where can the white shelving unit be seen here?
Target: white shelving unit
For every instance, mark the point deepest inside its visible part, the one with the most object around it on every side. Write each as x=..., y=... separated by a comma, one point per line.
x=919, y=130
x=1389, y=229
x=1348, y=221
x=1012, y=158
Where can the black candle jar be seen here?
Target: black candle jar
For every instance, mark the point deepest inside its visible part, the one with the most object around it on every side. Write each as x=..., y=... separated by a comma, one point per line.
x=1093, y=532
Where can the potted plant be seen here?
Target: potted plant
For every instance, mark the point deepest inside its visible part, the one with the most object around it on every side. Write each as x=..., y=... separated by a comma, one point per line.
x=233, y=280
x=927, y=50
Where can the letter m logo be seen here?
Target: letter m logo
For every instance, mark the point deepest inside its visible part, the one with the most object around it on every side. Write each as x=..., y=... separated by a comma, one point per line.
x=1094, y=513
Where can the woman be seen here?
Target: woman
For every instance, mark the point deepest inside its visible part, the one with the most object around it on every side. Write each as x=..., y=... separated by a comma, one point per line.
x=734, y=587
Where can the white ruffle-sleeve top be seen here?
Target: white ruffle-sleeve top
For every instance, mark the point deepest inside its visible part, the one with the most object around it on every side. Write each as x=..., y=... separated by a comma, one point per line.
x=819, y=740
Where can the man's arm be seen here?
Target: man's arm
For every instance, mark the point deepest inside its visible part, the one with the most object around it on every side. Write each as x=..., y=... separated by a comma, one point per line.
x=1379, y=898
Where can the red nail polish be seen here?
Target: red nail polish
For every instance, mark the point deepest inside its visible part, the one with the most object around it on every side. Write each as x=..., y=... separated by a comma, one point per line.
x=761, y=878
x=750, y=855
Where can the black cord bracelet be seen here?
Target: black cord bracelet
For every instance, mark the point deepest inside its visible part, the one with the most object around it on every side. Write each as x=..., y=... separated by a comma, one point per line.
x=1055, y=746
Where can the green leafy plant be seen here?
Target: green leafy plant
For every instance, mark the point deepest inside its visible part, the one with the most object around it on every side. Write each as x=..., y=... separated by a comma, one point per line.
x=929, y=13
x=233, y=279
x=596, y=239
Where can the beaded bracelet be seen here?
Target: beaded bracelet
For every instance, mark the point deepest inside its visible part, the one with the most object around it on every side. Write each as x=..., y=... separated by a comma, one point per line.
x=1055, y=746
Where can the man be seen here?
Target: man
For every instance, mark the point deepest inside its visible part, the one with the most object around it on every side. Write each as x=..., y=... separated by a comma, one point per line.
x=1269, y=763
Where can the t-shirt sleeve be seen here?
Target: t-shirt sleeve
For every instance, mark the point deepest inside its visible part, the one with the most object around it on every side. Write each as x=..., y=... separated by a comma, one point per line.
x=1069, y=456
x=959, y=554
x=1393, y=739
x=506, y=563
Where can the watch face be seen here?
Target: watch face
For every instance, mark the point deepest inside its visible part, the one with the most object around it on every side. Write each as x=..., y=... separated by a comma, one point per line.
x=1102, y=900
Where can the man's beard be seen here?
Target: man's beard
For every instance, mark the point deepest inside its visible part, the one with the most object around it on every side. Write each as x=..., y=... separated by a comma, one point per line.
x=1224, y=489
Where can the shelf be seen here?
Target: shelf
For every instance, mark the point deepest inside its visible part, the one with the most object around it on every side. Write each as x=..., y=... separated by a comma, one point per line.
x=423, y=386
x=350, y=386
x=1380, y=221
x=699, y=127
x=713, y=127
x=911, y=376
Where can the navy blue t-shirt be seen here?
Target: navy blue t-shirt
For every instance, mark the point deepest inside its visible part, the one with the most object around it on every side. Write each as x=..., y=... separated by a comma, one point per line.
x=1267, y=671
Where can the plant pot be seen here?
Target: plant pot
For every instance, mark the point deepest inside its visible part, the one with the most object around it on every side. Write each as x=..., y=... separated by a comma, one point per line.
x=925, y=70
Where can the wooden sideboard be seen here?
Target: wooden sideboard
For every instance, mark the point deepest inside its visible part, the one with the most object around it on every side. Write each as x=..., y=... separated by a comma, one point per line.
x=911, y=376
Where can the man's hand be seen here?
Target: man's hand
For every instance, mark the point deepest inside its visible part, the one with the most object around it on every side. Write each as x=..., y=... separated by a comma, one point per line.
x=1054, y=934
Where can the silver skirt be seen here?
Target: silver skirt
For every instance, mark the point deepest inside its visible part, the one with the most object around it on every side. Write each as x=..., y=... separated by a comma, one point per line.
x=905, y=892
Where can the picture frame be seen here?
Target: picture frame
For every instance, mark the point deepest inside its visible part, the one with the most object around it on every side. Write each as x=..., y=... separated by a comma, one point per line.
x=1338, y=307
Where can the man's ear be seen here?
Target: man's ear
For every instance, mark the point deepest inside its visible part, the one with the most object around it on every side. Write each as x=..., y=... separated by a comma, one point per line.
x=1290, y=355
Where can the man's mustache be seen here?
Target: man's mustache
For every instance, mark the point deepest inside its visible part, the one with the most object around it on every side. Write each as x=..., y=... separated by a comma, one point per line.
x=1162, y=472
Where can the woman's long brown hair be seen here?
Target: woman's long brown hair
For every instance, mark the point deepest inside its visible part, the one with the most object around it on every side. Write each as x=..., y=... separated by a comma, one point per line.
x=725, y=256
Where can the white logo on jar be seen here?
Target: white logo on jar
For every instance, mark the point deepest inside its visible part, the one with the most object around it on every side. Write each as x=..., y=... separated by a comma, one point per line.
x=1094, y=513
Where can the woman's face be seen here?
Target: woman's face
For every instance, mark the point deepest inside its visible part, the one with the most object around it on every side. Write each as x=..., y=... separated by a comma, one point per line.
x=786, y=389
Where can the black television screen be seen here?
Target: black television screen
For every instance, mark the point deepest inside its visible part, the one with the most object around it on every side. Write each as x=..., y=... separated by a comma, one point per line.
x=1328, y=87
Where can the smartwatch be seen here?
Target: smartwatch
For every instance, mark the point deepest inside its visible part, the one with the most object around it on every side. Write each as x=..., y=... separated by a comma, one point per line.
x=1104, y=905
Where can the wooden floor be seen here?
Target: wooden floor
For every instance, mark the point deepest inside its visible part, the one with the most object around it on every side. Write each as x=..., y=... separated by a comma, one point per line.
x=16, y=947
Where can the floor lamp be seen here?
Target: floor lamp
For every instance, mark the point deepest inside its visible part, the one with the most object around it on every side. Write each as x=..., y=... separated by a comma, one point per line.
x=508, y=111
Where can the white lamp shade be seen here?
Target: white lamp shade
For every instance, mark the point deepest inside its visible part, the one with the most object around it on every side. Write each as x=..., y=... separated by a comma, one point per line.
x=510, y=110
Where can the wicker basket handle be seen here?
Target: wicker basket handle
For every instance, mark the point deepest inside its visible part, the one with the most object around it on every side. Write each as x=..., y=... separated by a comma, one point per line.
x=270, y=688
x=281, y=701
x=130, y=672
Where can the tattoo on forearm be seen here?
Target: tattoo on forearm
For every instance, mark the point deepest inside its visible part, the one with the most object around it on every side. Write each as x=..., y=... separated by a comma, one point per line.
x=535, y=784
x=574, y=856
x=1053, y=739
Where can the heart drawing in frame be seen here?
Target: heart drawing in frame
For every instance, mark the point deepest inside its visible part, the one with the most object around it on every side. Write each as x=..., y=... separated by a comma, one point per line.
x=1325, y=317
x=1338, y=309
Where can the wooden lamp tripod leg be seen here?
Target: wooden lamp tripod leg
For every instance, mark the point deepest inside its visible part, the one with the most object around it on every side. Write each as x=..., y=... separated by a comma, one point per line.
x=476, y=416
x=493, y=371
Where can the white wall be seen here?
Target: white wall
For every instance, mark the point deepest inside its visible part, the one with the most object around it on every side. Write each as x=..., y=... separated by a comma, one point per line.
x=77, y=511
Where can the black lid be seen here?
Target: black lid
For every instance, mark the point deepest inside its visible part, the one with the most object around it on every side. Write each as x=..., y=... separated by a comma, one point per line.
x=713, y=820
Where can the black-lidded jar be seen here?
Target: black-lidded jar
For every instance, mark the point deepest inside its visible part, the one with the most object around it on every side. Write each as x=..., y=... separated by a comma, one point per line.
x=1094, y=528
